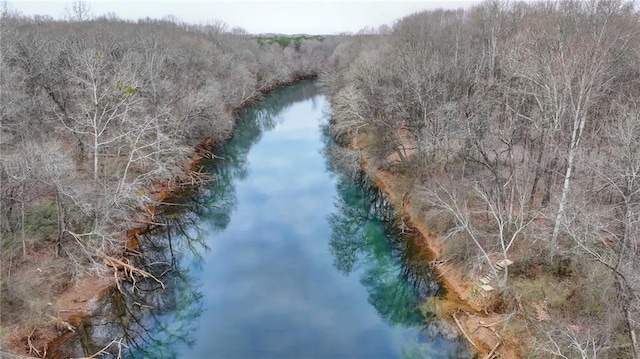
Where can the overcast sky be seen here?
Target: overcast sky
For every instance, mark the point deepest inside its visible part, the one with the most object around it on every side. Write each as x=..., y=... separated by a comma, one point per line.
x=287, y=17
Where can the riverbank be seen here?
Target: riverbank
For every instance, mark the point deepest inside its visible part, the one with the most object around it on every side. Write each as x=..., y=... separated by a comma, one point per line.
x=71, y=308
x=465, y=304
x=79, y=300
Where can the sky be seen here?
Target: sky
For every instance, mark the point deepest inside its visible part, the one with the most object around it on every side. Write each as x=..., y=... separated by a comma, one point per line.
x=256, y=16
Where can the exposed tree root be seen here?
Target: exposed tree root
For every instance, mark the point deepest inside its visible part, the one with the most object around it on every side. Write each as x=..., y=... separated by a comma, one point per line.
x=129, y=272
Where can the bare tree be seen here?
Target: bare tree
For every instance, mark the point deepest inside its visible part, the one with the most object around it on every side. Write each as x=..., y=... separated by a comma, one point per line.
x=567, y=344
x=608, y=229
x=79, y=10
x=111, y=101
x=128, y=100
x=16, y=182
x=507, y=211
x=517, y=106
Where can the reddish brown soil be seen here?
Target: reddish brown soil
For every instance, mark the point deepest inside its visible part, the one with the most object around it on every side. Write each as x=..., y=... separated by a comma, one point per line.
x=75, y=300
x=465, y=303
x=64, y=299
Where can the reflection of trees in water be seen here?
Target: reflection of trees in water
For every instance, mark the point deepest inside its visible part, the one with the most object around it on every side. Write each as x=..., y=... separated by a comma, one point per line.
x=134, y=315
x=391, y=265
x=249, y=129
x=155, y=322
x=363, y=237
x=254, y=122
x=273, y=105
x=152, y=336
x=359, y=242
x=138, y=318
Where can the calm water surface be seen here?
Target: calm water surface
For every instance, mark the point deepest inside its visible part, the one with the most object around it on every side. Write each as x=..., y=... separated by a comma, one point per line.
x=299, y=264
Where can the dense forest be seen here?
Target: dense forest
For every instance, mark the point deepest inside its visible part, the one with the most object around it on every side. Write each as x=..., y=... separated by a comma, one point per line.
x=101, y=118
x=512, y=129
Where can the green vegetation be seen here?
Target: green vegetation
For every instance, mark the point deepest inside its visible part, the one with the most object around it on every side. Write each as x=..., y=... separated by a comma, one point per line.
x=286, y=41
x=41, y=222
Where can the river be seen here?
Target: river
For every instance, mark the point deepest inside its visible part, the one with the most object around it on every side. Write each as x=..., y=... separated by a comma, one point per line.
x=301, y=261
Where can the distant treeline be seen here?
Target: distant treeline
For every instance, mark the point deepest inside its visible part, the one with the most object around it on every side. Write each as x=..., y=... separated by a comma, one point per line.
x=284, y=41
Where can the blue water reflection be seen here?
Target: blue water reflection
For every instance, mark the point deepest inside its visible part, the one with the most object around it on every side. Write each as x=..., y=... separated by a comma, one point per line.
x=300, y=264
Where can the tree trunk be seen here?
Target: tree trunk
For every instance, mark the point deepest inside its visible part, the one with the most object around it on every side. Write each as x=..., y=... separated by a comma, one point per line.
x=548, y=183
x=61, y=223
x=578, y=127
x=22, y=235
x=563, y=198
x=538, y=172
x=95, y=157
x=632, y=334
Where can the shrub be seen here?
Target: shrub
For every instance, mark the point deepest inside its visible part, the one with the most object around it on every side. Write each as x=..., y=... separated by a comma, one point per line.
x=41, y=222
x=458, y=249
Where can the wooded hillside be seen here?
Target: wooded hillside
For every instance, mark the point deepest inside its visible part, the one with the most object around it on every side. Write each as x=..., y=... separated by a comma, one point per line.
x=514, y=131
x=99, y=118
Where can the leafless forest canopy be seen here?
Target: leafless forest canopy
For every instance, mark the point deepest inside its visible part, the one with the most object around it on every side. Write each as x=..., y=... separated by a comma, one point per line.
x=100, y=117
x=515, y=129
x=512, y=127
